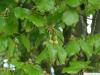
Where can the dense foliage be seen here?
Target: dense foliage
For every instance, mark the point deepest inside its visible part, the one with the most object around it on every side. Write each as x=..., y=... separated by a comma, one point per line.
x=38, y=34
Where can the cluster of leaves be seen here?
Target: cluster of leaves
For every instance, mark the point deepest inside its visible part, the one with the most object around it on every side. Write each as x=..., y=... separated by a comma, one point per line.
x=30, y=36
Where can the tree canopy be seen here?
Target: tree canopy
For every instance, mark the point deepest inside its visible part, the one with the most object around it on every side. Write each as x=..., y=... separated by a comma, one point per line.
x=36, y=35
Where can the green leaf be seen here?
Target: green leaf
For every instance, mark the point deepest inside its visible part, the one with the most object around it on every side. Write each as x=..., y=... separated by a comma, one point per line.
x=21, y=12
x=71, y=70
x=97, y=50
x=94, y=3
x=72, y=47
x=3, y=43
x=44, y=5
x=93, y=40
x=2, y=23
x=49, y=53
x=32, y=69
x=5, y=73
x=6, y=4
x=75, y=67
x=11, y=48
x=97, y=40
x=70, y=17
x=60, y=37
x=90, y=10
x=86, y=47
x=12, y=24
x=42, y=56
x=73, y=3
x=25, y=41
x=61, y=53
x=37, y=20
x=55, y=17
x=17, y=63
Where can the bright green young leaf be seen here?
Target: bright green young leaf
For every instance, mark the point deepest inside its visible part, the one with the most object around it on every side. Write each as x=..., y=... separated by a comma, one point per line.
x=32, y=69
x=3, y=43
x=97, y=40
x=49, y=37
x=71, y=70
x=61, y=53
x=49, y=53
x=60, y=37
x=75, y=67
x=92, y=6
x=72, y=48
x=81, y=64
x=93, y=39
x=25, y=41
x=90, y=10
x=5, y=73
x=97, y=50
x=20, y=72
x=70, y=17
x=44, y=5
x=94, y=3
x=17, y=63
x=73, y=3
x=52, y=52
x=42, y=56
x=37, y=20
x=11, y=48
x=21, y=12
x=86, y=47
